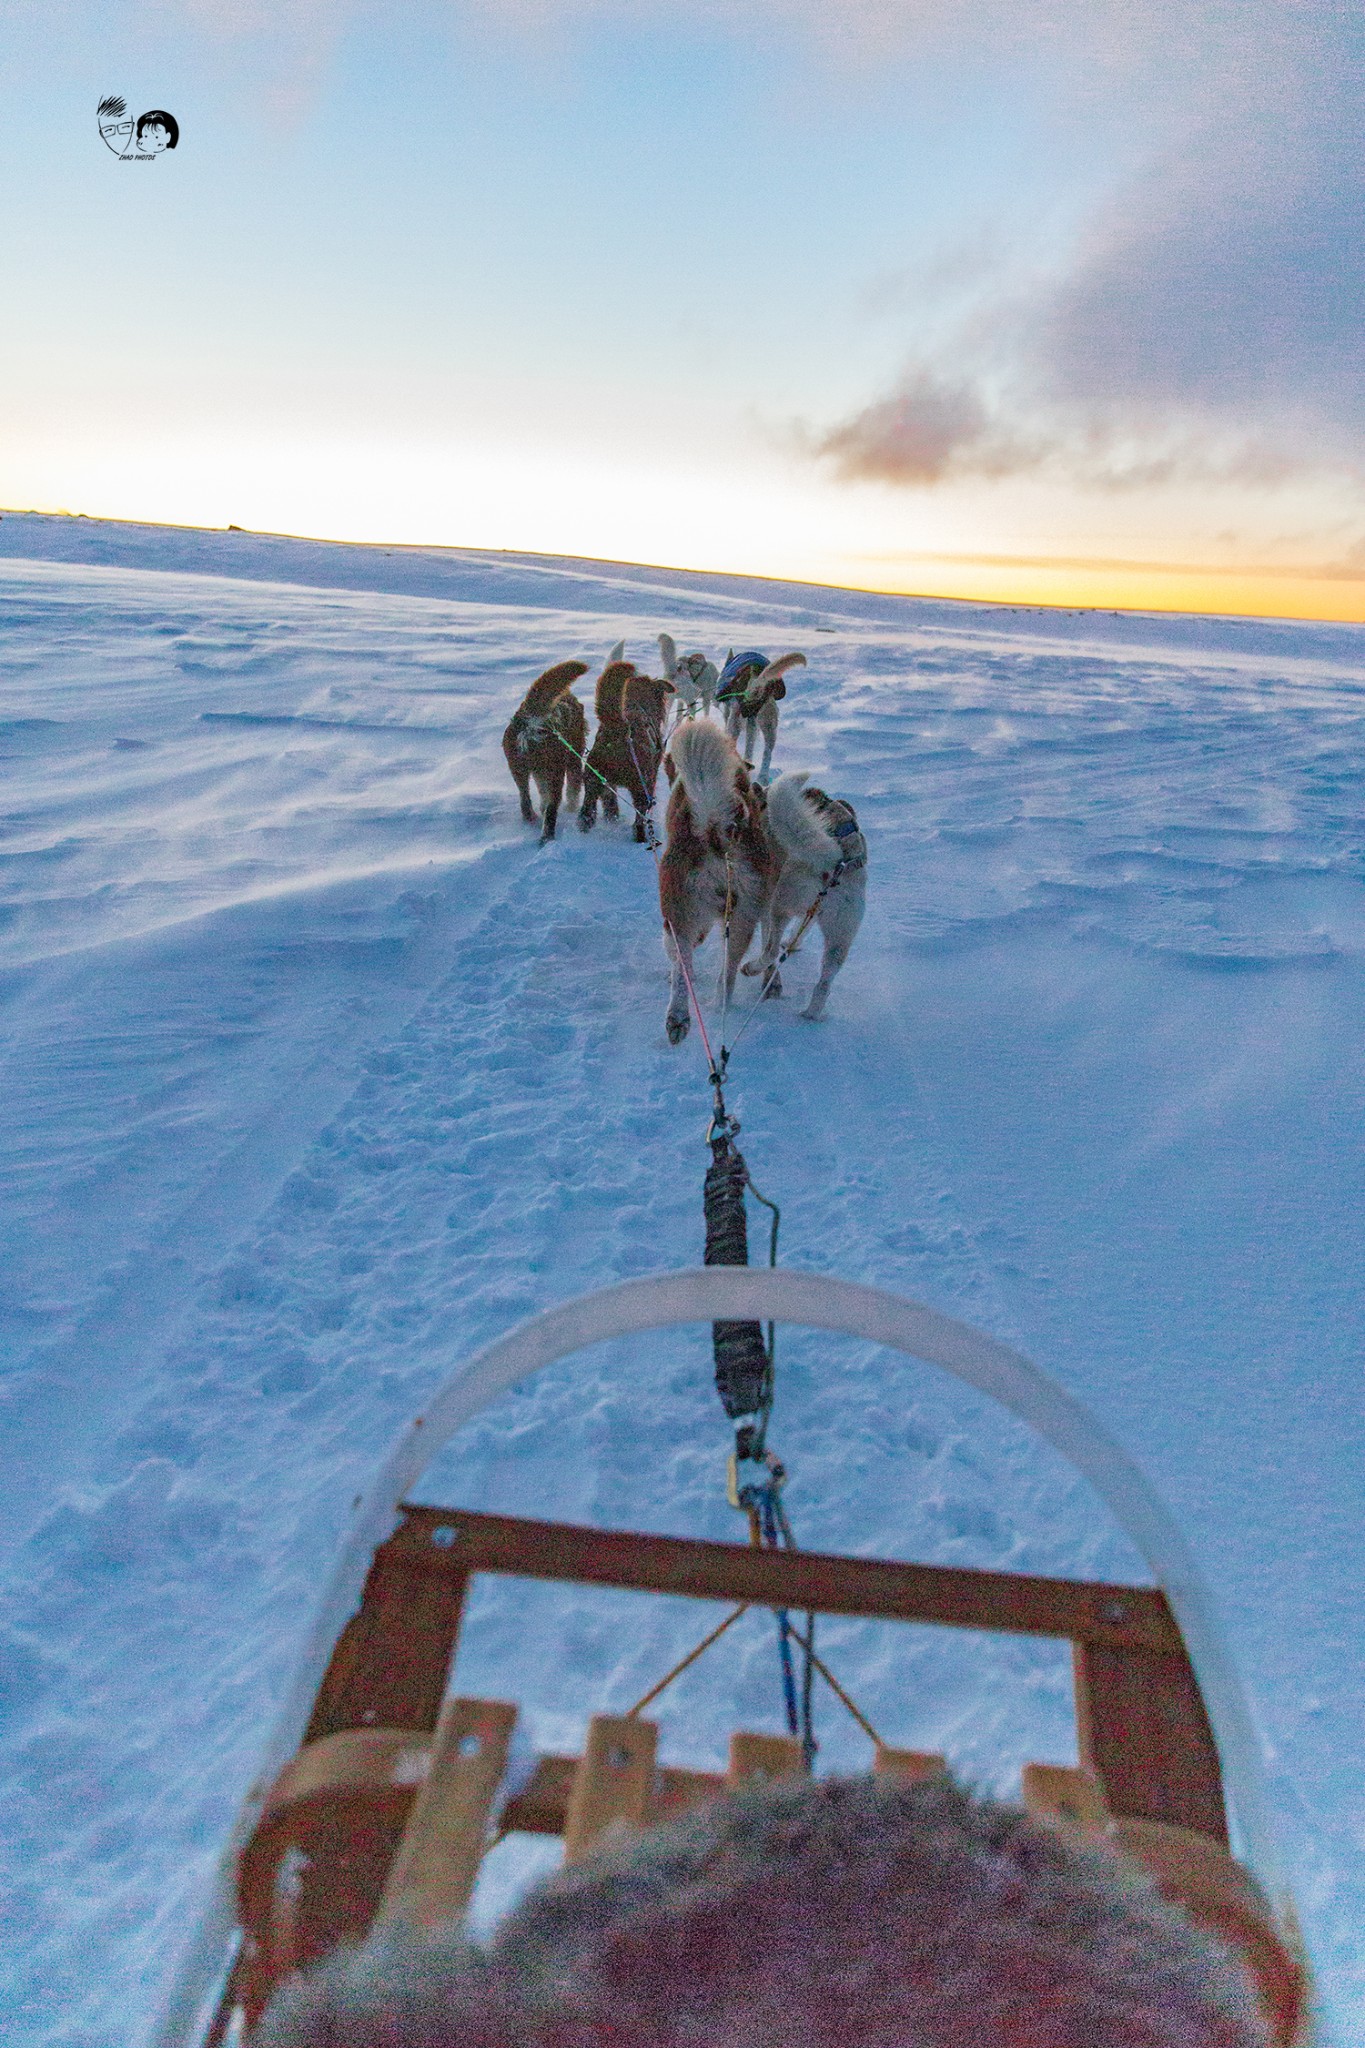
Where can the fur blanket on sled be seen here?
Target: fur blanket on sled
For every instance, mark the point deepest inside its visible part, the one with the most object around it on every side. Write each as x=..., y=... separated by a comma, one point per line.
x=845, y=1913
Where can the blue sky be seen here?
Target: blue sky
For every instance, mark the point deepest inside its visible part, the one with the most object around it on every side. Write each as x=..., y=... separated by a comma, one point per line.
x=735, y=285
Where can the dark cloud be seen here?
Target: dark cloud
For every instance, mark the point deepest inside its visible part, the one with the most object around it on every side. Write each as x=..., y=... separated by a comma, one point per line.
x=927, y=430
x=932, y=430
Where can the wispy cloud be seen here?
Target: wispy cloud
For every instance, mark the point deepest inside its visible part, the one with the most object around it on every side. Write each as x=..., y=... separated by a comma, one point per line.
x=934, y=429
x=1207, y=325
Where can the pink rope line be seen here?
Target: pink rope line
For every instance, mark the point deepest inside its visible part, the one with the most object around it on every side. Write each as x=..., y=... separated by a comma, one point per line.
x=692, y=994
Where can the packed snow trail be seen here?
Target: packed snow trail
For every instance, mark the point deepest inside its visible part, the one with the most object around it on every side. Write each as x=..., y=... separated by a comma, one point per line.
x=319, y=1074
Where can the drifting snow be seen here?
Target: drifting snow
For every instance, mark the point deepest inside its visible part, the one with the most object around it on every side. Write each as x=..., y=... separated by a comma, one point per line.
x=317, y=1074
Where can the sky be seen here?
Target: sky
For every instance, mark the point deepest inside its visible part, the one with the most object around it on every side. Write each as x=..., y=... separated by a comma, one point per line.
x=1034, y=302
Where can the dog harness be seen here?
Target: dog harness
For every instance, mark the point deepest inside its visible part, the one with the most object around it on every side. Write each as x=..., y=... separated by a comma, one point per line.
x=738, y=672
x=533, y=728
x=848, y=862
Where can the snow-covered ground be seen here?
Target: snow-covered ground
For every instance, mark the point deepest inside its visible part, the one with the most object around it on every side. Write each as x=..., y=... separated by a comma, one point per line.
x=318, y=1074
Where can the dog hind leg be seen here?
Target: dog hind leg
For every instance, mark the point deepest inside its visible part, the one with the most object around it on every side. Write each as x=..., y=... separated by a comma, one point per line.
x=743, y=924
x=551, y=786
x=837, y=946
x=767, y=725
x=773, y=925
x=523, y=782
x=679, y=1017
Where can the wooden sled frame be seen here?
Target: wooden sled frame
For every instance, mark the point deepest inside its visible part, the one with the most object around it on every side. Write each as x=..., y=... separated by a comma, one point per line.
x=393, y=1798
x=1150, y=1730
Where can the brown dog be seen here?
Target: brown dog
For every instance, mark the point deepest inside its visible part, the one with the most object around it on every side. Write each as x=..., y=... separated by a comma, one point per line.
x=545, y=743
x=718, y=862
x=627, y=745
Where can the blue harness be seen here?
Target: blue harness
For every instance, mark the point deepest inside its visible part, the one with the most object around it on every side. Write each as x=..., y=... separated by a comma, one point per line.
x=738, y=672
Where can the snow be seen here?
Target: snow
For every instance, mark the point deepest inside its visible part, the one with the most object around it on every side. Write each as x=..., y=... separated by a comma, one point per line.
x=318, y=1074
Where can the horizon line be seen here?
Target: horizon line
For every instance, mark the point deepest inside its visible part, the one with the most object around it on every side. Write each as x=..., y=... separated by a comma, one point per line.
x=1045, y=564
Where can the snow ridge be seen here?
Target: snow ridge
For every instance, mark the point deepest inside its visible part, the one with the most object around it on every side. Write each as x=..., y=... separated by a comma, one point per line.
x=1090, y=1081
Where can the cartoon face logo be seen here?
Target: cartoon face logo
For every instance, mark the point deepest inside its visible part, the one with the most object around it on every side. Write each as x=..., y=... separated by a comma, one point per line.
x=116, y=126
x=156, y=131
x=135, y=141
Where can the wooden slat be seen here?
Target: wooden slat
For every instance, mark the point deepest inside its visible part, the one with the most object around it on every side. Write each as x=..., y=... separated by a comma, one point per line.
x=354, y=1763
x=1056, y=1792
x=445, y=1542
x=315, y=1866
x=389, y=1667
x=437, y=1863
x=614, y=1783
x=763, y=1756
x=1142, y=1730
x=677, y=1791
x=540, y=1808
x=907, y=1766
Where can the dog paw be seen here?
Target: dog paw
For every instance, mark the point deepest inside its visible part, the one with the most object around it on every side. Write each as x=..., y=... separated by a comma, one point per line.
x=677, y=1029
x=812, y=1016
x=752, y=967
x=774, y=988
x=585, y=823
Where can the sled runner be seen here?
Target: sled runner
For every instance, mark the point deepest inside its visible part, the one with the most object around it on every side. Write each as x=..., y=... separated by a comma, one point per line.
x=385, y=1784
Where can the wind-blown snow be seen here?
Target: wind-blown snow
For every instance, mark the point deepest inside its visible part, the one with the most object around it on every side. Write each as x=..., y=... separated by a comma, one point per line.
x=318, y=1073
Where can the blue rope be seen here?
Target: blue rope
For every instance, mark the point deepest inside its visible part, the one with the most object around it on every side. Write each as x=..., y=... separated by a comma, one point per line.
x=784, y=1628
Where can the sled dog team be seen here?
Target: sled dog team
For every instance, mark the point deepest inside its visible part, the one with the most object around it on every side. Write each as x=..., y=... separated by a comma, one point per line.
x=736, y=853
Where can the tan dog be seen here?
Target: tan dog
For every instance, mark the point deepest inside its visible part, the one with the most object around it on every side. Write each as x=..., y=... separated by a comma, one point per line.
x=755, y=705
x=545, y=743
x=717, y=863
x=822, y=873
x=627, y=745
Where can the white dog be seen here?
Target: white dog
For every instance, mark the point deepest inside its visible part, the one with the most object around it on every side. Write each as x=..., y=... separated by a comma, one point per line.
x=823, y=873
x=752, y=699
x=693, y=676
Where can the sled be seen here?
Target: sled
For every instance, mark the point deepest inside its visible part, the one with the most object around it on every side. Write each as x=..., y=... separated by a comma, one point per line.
x=384, y=1785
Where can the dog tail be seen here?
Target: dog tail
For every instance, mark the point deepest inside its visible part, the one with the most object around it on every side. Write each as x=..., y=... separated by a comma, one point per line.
x=708, y=766
x=796, y=825
x=611, y=687
x=668, y=653
x=775, y=671
x=552, y=684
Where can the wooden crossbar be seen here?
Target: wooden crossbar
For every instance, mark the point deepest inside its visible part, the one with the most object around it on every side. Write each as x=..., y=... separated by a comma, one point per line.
x=455, y=1542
